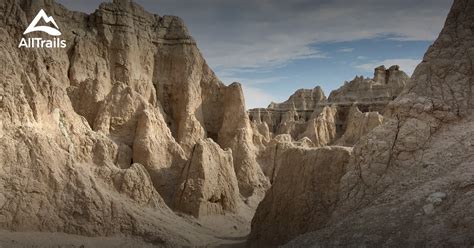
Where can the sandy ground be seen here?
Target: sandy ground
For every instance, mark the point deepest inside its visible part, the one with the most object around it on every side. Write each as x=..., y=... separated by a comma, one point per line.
x=227, y=231
x=61, y=240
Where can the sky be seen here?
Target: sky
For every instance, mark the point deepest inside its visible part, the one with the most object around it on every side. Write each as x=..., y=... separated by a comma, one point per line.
x=274, y=47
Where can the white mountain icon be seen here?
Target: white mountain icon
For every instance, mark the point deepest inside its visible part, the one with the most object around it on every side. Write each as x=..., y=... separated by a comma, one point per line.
x=50, y=30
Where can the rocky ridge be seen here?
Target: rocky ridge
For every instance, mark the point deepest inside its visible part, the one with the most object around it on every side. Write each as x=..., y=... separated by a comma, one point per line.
x=310, y=119
x=303, y=113
x=109, y=135
x=409, y=181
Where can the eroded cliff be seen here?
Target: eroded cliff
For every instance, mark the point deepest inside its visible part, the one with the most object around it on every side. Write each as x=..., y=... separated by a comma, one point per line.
x=106, y=136
x=409, y=181
x=305, y=113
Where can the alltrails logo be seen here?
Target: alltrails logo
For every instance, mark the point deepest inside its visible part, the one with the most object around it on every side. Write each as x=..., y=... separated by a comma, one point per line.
x=40, y=42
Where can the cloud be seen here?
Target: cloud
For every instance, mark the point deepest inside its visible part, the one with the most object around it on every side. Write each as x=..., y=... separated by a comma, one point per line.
x=249, y=81
x=256, y=97
x=407, y=65
x=254, y=94
x=346, y=50
x=267, y=34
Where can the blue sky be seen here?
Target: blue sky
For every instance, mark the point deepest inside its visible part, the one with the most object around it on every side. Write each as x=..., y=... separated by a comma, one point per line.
x=342, y=61
x=274, y=47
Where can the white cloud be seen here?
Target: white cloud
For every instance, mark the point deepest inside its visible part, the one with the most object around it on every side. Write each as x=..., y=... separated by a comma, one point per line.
x=346, y=50
x=248, y=81
x=267, y=34
x=261, y=55
x=256, y=97
x=406, y=65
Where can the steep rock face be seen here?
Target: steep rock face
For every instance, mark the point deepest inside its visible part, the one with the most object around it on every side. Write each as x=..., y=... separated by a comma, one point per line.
x=236, y=133
x=384, y=87
x=302, y=99
x=338, y=121
x=409, y=181
x=300, y=115
x=157, y=58
x=321, y=130
x=94, y=137
x=290, y=116
x=267, y=157
x=261, y=134
x=208, y=183
x=358, y=125
x=158, y=152
x=309, y=177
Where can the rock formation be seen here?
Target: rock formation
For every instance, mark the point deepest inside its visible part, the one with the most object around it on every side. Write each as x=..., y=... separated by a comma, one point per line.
x=302, y=115
x=386, y=85
x=208, y=183
x=128, y=132
x=302, y=99
x=321, y=130
x=359, y=124
x=95, y=137
x=304, y=191
x=236, y=133
x=275, y=149
x=350, y=113
x=409, y=181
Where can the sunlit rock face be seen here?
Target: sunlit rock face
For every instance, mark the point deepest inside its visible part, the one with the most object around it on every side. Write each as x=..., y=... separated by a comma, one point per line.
x=95, y=137
x=208, y=184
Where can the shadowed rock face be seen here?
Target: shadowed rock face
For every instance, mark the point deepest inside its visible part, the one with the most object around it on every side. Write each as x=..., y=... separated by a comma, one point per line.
x=304, y=191
x=359, y=124
x=297, y=116
x=308, y=117
x=95, y=137
x=409, y=181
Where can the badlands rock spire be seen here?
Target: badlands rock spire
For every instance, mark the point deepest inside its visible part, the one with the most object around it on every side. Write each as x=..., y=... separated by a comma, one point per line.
x=306, y=112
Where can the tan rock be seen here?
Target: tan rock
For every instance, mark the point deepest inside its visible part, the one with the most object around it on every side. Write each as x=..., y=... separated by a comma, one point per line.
x=300, y=117
x=305, y=142
x=385, y=86
x=358, y=125
x=94, y=137
x=208, y=185
x=321, y=130
x=305, y=189
x=236, y=134
x=155, y=148
x=267, y=158
x=302, y=99
x=261, y=134
x=407, y=182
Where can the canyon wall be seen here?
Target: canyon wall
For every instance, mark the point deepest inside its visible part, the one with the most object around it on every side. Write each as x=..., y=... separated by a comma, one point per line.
x=303, y=114
x=407, y=182
x=108, y=135
x=128, y=132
